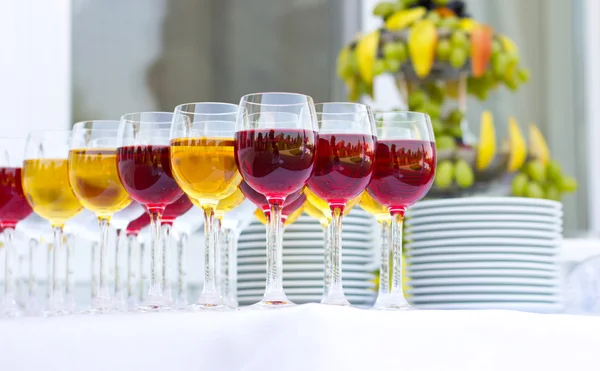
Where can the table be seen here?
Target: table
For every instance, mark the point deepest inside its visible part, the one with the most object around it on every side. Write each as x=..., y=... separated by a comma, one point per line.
x=308, y=337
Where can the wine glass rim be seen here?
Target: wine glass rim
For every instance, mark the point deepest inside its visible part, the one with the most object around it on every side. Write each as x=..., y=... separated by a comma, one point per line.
x=178, y=108
x=367, y=109
x=245, y=99
x=410, y=113
x=125, y=118
x=82, y=123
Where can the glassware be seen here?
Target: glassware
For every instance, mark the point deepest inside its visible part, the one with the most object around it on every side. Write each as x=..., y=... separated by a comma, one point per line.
x=94, y=178
x=144, y=163
x=343, y=169
x=404, y=171
x=276, y=138
x=133, y=257
x=46, y=157
x=13, y=208
x=202, y=156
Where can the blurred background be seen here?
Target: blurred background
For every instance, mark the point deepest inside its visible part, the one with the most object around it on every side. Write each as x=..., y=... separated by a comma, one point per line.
x=65, y=61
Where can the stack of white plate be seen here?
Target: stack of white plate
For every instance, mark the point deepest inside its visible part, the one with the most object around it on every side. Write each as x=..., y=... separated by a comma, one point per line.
x=303, y=260
x=485, y=253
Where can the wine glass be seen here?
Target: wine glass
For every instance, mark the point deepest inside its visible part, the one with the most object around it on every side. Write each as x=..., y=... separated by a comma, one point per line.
x=46, y=157
x=202, y=156
x=404, y=171
x=343, y=169
x=133, y=254
x=94, y=178
x=275, y=148
x=13, y=208
x=143, y=160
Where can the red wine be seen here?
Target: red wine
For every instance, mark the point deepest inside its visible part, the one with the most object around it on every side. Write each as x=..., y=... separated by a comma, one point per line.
x=275, y=163
x=176, y=209
x=261, y=201
x=404, y=171
x=13, y=204
x=136, y=226
x=145, y=171
x=343, y=167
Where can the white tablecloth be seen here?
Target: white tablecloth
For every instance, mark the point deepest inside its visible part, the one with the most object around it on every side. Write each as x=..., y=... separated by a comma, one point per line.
x=309, y=338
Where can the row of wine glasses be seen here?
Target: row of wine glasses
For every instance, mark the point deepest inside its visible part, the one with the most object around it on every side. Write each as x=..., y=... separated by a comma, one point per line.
x=281, y=151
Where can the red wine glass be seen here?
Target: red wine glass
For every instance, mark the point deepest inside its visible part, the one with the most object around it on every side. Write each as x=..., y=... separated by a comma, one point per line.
x=144, y=165
x=13, y=208
x=276, y=136
x=405, y=162
x=343, y=169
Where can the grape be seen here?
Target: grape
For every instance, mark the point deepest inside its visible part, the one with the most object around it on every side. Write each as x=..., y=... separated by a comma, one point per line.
x=384, y=9
x=392, y=65
x=568, y=184
x=450, y=22
x=534, y=190
x=435, y=92
x=553, y=193
x=519, y=184
x=523, y=75
x=444, y=174
x=379, y=67
x=395, y=50
x=434, y=17
x=464, y=174
x=496, y=47
x=437, y=125
x=441, y=2
x=454, y=117
x=455, y=131
x=536, y=171
x=554, y=172
x=432, y=109
x=500, y=64
x=443, y=50
x=458, y=57
x=417, y=98
x=445, y=142
x=459, y=40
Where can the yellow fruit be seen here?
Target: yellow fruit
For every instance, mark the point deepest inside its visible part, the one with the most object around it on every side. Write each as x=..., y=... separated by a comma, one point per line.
x=487, y=141
x=518, y=149
x=403, y=18
x=258, y=213
x=344, y=67
x=452, y=88
x=508, y=45
x=366, y=52
x=467, y=24
x=422, y=43
x=537, y=145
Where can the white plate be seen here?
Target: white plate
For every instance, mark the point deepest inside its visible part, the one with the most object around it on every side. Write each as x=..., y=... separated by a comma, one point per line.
x=308, y=291
x=483, y=273
x=528, y=250
x=483, y=241
x=306, y=236
x=346, y=276
x=454, y=298
x=304, y=259
x=300, y=228
x=298, y=299
x=484, y=289
x=502, y=225
x=437, y=219
x=486, y=210
x=367, y=285
x=304, y=267
x=482, y=265
x=260, y=251
x=485, y=201
x=534, y=307
x=449, y=258
x=484, y=280
x=426, y=236
x=304, y=244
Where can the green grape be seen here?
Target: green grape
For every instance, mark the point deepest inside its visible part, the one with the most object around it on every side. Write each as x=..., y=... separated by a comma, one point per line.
x=459, y=39
x=432, y=109
x=396, y=51
x=496, y=47
x=437, y=125
x=393, y=65
x=455, y=131
x=434, y=17
x=536, y=170
x=553, y=193
x=554, y=172
x=416, y=99
x=379, y=67
x=500, y=64
x=523, y=75
x=384, y=9
x=445, y=142
x=441, y=2
x=568, y=184
x=458, y=57
x=464, y=174
x=519, y=184
x=435, y=92
x=444, y=174
x=534, y=190
x=443, y=50
x=450, y=23
x=454, y=118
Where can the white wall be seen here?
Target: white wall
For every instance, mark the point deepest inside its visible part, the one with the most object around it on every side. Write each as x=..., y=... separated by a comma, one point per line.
x=35, y=65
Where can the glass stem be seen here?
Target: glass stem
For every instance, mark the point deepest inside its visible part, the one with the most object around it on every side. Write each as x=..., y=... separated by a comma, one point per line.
x=103, y=298
x=182, y=299
x=57, y=272
x=31, y=281
x=132, y=250
x=326, y=256
x=69, y=273
x=49, y=265
x=141, y=276
x=384, y=270
x=230, y=282
x=166, y=262
x=209, y=297
x=155, y=292
x=218, y=256
x=335, y=292
x=9, y=302
x=119, y=293
x=274, y=293
x=397, y=299
x=94, y=271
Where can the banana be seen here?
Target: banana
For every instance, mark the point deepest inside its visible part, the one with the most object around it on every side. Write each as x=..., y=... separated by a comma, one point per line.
x=487, y=141
x=518, y=149
x=422, y=43
x=537, y=145
x=366, y=52
x=404, y=18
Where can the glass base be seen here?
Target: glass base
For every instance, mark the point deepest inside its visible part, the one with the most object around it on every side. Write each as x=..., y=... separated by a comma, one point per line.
x=100, y=305
x=10, y=308
x=272, y=304
x=392, y=303
x=200, y=307
x=338, y=299
x=33, y=308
